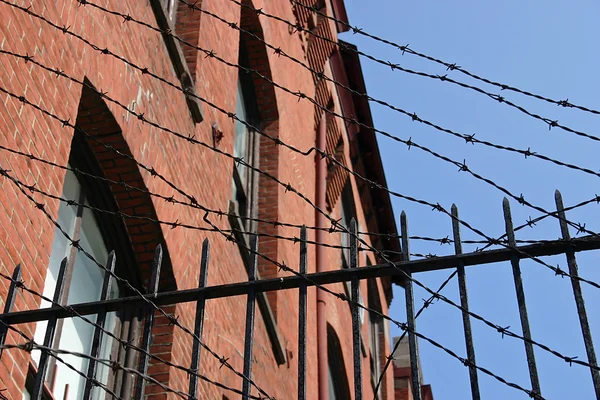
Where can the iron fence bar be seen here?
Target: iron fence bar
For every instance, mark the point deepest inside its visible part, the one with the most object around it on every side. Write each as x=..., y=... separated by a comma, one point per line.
x=354, y=294
x=410, y=314
x=100, y=320
x=199, y=322
x=549, y=248
x=516, y=268
x=581, y=311
x=464, y=302
x=147, y=336
x=38, y=386
x=302, y=317
x=9, y=304
x=250, y=305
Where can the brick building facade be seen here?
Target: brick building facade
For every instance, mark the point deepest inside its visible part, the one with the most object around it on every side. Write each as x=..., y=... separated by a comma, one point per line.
x=98, y=127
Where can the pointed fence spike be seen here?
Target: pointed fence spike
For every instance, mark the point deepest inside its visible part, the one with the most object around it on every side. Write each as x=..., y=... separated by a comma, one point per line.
x=199, y=321
x=100, y=321
x=464, y=303
x=49, y=336
x=250, y=313
x=302, y=316
x=10, y=302
x=355, y=297
x=520, y=292
x=577, y=293
x=410, y=313
x=147, y=335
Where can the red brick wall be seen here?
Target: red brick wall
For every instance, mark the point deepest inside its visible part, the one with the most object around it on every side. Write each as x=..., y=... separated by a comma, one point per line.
x=26, y=235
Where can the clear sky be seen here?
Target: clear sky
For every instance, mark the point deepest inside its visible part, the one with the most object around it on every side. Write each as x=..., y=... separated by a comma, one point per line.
x=545, y=46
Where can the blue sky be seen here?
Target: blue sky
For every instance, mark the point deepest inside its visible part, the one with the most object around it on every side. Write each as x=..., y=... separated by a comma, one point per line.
x=547, y=47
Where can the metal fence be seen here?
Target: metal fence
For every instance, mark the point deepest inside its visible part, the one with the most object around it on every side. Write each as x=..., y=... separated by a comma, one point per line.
x=510, y=250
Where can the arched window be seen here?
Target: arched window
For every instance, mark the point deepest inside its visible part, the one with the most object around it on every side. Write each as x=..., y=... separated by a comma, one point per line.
x=83, y=283
x=99, y=163
x=338, y=379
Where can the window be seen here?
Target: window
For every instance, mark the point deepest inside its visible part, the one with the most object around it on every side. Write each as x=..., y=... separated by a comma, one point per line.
x=244, y=199
x=83, y=283
x=376, y=330
x=347, y=213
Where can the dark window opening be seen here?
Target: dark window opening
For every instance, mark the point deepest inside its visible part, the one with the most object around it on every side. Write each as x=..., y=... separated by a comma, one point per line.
x=338, y=379
x=244, y=202
x=348, y=211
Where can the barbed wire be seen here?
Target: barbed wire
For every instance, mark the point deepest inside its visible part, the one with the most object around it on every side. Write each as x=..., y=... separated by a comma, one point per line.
x=444, y=78
x=557, y=270
x=449, y=66
x=462, y=166
x=469, y=138
x=171, y=199
x=422, y=202
x=390, y=358
x=500, y=329
x=30, y=345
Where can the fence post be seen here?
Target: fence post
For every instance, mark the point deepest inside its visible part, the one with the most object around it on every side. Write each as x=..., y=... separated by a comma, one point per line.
x=9, y=304
x=199, y=322
x=147, y=338
x=576, y=284
x=302, y=317
x=514, y=261
x=101, y=319
x=49, y=337
x=249, y=336
x=464, y=303
x=410, y=314
x=354, y=294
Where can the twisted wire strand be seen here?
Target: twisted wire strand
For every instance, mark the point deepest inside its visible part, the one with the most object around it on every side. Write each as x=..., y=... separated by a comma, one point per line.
x=406, y=49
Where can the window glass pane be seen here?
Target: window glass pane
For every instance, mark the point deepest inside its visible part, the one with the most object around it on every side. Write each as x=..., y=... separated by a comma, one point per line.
x=60, y=249
x=241, y=130
x=86, y=285
x=331, y=385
